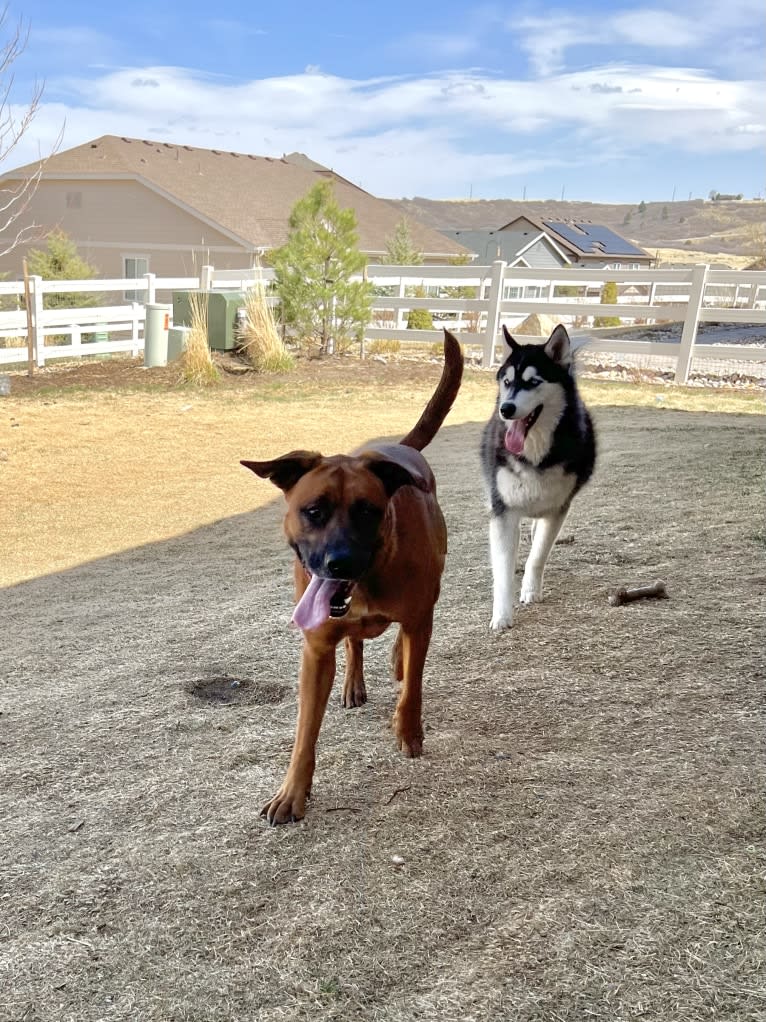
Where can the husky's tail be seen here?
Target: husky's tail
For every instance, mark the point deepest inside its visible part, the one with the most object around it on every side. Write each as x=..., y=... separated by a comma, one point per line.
x=437, y=409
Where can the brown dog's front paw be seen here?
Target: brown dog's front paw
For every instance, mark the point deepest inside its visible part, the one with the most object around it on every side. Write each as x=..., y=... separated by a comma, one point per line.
x=411, y=747
x=285, y=807
x=410, y=738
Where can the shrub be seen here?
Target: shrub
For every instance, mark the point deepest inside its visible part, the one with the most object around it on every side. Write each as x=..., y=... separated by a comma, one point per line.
x=419, y=319
x=608, y=297
x=384, y=346
x=60, y=260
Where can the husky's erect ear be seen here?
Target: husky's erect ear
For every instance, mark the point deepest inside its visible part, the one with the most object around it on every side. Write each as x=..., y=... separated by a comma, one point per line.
x=285, y=472
x=512, y=344
x=558, y=348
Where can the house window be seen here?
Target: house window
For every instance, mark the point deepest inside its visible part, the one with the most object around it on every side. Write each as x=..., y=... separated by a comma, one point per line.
x=134, y=267
x=74, y=200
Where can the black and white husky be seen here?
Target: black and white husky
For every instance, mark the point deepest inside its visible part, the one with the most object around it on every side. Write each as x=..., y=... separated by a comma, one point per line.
x=538, y=450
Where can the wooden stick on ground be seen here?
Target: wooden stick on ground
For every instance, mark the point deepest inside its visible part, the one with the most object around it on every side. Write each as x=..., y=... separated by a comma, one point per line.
x=623, y=595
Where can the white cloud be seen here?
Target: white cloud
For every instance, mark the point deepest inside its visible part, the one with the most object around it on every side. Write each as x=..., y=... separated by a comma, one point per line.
x=432, y=134
x=656, y=29
x=719, y=31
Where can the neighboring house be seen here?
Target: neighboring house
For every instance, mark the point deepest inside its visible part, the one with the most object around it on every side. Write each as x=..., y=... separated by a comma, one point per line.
x=134, y=206
x=550, y=244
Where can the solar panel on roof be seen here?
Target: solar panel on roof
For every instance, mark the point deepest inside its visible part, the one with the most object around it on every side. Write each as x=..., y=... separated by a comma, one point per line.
x=591, y=238
x=612, y=242
x=570, y=233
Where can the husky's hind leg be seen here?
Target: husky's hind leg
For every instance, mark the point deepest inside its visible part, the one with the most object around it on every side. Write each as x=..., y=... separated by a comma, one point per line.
x=503, y=550
x=546, y=531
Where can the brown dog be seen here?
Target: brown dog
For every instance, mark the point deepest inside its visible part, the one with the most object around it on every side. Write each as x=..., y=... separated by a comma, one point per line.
x=370, y=543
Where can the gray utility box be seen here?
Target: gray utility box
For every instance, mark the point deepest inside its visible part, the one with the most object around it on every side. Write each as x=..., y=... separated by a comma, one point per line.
x=222, y=308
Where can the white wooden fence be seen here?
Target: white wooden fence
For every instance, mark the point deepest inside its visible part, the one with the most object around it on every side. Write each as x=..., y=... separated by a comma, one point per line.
x=501, y=294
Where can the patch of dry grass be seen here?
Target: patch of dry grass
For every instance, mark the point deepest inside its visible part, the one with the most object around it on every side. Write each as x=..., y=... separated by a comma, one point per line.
x=262, y=346
x=669, y=257
x=197, y=366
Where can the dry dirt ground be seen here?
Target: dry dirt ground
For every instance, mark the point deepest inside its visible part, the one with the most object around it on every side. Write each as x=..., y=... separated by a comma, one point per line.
x=582, y=838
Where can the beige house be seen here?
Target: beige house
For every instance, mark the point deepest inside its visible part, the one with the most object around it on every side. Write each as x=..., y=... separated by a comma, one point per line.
x=134, y=206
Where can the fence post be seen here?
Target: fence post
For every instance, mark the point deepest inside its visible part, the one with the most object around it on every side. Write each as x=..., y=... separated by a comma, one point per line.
x=493, y=312
x=36, y=289
x=135, y=350
x=76, y=340
x=400, y=323
x=691, y=322
x=151, y=288
x=206, y=278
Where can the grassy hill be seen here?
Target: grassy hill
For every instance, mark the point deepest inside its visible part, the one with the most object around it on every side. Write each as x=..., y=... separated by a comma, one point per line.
x=720, y=229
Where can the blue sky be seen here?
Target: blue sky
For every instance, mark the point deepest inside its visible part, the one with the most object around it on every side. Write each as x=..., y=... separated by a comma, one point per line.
x=598, y=101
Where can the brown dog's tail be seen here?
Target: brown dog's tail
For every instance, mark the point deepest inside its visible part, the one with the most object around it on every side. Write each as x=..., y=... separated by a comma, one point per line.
x=435, y=412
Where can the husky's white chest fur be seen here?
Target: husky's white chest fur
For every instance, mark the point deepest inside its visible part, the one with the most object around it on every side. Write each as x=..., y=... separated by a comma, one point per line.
x=532, y=493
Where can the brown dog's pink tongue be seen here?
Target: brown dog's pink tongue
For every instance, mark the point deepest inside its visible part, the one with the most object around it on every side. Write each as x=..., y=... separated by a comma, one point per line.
x=313, y=608
x=515, y=436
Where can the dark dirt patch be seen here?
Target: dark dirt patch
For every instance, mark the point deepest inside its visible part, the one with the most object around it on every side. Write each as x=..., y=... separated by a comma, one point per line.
x=119, y=374
x=227, y=691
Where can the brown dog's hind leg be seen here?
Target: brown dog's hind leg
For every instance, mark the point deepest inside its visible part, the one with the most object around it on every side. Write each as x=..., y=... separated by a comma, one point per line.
x=408, y=719
x=354, y=691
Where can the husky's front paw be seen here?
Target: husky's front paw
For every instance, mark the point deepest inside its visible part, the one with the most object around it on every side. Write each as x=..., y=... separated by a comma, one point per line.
x=501, y=621
x=531, y=594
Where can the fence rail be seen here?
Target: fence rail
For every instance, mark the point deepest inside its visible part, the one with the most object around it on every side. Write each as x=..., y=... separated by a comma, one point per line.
x=489, y=296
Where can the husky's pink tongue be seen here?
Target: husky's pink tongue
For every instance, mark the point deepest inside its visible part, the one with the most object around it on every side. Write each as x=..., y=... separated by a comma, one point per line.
x=313, y=608
x=515, y=436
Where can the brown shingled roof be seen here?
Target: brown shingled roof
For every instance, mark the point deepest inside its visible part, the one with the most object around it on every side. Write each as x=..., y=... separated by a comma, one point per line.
x=249, y=196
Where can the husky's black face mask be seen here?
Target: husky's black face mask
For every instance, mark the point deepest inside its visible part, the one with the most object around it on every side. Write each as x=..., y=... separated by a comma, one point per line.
x=533, y=383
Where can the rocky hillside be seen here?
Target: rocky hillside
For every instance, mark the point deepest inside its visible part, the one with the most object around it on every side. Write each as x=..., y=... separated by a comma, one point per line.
x=734, y=228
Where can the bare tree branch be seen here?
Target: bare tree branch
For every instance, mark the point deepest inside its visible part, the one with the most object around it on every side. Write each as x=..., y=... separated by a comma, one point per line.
x=16, y=198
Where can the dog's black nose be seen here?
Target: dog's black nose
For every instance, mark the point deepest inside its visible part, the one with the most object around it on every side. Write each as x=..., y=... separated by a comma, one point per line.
x=341, y=565
x=507, y=409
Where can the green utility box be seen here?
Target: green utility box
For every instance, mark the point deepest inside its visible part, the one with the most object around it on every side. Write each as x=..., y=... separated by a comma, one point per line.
x=222, y=315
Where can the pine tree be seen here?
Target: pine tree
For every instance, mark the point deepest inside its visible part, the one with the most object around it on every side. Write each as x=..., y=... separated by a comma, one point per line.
x=320, y=303
x=400, y=249
x=60, y=260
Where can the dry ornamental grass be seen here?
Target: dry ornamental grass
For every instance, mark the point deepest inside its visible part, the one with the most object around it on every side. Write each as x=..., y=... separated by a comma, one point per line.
x=583, y=837
x=197, y=366
x=261, y=344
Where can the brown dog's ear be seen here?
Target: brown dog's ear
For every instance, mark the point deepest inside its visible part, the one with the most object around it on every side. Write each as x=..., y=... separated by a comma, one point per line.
x=285, y=472
x=396, y=465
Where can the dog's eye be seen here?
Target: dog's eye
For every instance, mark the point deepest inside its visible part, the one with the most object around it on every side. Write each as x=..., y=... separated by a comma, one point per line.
x=365, y=511
x=315, y=514
x=507, y=382
x=534, y=382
